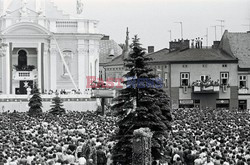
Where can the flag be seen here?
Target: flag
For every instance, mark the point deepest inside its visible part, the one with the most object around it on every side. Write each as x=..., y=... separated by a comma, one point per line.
x=79, y=6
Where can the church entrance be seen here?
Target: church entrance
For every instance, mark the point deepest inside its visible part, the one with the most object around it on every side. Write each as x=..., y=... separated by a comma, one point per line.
x=22, y=58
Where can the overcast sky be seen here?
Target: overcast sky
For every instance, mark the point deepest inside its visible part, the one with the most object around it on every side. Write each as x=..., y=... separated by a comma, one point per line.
x=152, y=19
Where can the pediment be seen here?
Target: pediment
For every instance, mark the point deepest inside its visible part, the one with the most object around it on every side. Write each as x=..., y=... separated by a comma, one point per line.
x=17, y=13
x=26, y=28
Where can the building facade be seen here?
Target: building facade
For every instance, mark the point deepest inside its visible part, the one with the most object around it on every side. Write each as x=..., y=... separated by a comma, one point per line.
x=43, y=45
x=201, y=78
x=238, y=44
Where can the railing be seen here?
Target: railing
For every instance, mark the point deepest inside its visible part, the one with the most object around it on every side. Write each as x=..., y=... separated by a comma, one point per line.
x=243, y=90
x=25, y=75
x=67, y=26
x=206, y=89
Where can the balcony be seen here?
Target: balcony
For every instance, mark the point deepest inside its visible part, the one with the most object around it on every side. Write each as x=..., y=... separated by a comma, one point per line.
x=207, y=86
x=243, y=90
x=24, y=75
x=206, y=89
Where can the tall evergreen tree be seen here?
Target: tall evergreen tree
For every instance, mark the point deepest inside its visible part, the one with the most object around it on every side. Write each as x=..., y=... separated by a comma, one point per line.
x=57, y=106
x=35, y=102
x=151, y=108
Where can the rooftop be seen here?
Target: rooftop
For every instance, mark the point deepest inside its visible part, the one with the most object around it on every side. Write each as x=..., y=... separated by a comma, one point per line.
x=191, y=55
x=239, y=45
x=107, y=47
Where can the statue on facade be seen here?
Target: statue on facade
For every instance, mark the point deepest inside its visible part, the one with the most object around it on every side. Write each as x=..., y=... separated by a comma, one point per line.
x=79, y=6
x=24, y=10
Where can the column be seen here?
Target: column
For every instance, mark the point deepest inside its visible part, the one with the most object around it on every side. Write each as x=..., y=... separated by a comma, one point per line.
x=46, y=68
x=87, y=61
x=53, y=54
x=42, y=67
x=92, y=57
x=3, y=71
x=142, y=147
x=81, y=66
x=39, y=67
x=10, y=66
x=8, y=70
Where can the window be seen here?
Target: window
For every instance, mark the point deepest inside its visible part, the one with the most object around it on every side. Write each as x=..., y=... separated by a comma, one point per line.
x=184, y=79
x=184, y=66
x=204, y=65
x=204, y=78
x=224, y=65
x=166, y=66
x=224, y=78
x=166, y=80
x=24, y=74
x=243, y=81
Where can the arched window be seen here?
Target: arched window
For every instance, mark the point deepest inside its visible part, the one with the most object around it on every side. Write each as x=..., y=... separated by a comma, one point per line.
x=22, y=58
x=67, y=54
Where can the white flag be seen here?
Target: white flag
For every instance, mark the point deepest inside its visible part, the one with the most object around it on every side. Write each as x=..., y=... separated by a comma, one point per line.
x=79, y=6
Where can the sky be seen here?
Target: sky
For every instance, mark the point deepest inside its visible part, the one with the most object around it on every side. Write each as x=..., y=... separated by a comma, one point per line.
x=152, y=20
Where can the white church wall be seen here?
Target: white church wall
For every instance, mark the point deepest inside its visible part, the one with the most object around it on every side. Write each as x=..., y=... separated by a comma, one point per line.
x=1, y=75
x=64, y=82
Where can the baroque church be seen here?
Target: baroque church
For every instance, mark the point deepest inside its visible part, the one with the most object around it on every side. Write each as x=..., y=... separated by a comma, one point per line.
x=42, y=45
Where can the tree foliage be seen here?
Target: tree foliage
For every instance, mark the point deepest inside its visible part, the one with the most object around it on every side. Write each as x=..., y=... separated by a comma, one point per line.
x=142, y=103
x=57, y=106
x=35, y=103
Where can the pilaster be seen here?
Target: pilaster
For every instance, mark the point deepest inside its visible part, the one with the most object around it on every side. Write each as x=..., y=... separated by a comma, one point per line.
x=53, y=77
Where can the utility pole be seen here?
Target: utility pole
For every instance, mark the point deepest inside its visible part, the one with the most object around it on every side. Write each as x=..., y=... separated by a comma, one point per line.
x=221, y=25
x=181, y=29
x=215, y=32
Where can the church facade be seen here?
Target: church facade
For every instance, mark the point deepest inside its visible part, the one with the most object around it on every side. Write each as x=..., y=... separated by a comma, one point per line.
x=42, y=45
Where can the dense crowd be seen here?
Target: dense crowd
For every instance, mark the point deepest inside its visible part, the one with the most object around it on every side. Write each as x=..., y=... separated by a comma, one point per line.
x=76, y=138
x=209, y=137
x=198, y=137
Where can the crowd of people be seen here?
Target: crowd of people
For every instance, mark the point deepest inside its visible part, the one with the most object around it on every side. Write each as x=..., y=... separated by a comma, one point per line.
x=76, y=138
x=198, y=137
x=209, y=137
x=67, y=92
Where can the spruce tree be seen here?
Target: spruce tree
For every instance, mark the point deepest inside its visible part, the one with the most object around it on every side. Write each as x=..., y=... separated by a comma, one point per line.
x=152, y=108
x=35, y=103
x=57, y=106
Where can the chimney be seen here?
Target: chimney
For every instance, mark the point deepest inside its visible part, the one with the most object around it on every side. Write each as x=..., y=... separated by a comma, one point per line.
x=184, y=44
x=105, y=38
x=151, y=49
x=174, y=45
x=179, y=45
x=216, y=44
